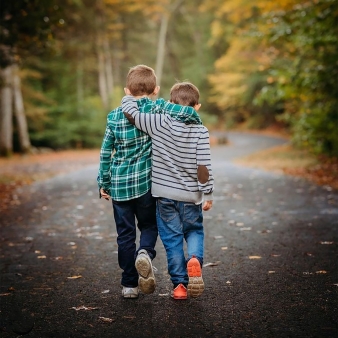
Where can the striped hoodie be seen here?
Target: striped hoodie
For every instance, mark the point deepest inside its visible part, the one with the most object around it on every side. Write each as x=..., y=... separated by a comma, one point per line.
x=181, y=161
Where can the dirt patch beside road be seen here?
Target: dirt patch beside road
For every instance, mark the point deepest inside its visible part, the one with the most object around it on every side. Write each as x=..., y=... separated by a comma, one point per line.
x=321, y=170
x=22, y=170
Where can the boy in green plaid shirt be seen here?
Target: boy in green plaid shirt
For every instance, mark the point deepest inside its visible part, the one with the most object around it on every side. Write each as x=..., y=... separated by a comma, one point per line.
x=125, y=177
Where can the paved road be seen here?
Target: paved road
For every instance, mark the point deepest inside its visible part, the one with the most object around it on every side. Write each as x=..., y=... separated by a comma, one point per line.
x=271, y=261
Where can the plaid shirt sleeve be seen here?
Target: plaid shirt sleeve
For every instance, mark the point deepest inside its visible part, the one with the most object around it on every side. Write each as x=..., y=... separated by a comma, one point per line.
x=106, y=152
x=185, y=114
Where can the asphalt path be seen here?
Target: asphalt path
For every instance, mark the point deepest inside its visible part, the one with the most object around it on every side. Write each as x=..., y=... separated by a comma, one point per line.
x=270, y=266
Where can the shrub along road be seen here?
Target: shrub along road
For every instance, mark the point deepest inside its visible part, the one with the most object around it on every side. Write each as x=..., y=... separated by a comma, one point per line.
x=270, y=260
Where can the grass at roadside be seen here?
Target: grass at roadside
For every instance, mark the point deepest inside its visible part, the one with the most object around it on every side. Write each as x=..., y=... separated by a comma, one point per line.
x=320, y=170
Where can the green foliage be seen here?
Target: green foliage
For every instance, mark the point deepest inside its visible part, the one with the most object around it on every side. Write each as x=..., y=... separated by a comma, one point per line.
x=254, y=63
x=306, y=72
x=281, y=65
x=64, y=122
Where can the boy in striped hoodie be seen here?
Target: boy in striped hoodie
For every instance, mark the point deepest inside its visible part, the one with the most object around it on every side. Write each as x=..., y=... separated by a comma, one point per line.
x=182, y=182
x=125, y=177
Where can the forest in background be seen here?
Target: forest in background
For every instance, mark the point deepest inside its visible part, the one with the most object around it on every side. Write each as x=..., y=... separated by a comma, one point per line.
x=63, y=65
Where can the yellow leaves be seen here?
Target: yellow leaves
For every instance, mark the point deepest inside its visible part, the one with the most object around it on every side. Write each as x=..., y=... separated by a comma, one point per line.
x=231, y=72
x=255, y=257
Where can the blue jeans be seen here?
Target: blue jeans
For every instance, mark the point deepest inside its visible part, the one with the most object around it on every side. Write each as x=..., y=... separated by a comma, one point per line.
x=176, y=222
x=144, y=209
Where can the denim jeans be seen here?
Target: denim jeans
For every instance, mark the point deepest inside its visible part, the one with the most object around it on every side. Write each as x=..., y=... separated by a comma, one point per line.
x=176, y=222
x=144, y=210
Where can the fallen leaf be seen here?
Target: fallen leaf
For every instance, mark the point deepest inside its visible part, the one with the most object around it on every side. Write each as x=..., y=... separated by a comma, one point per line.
x=58, y=258
x=106, y=320
x=271, y=271
x=265, y=231
x=255, y=257
x=75, y=277
x=11, y=288
x=212, y=264
x=85, y=308
x=224, y=248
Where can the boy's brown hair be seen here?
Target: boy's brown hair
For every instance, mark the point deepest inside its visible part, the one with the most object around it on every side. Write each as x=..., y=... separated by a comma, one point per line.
x=185, y=94
x=141, y=80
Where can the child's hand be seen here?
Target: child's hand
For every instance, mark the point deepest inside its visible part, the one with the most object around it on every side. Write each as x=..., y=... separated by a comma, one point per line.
x=207, y=205
x=104, y=194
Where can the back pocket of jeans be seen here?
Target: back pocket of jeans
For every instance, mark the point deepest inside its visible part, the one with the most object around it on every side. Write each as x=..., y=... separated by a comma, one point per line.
x=166, y=209
x=191, y=213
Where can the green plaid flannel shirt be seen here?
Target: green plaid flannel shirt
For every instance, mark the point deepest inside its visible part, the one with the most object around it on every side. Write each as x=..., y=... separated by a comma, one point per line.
x=125, y=157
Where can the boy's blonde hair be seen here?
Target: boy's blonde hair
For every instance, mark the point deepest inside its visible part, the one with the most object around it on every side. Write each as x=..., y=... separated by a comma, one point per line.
x=141, y=80
x=185, y=94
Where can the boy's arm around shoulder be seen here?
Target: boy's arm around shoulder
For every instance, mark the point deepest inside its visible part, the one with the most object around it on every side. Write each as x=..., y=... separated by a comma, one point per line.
x=185, y=114
x=142, y=121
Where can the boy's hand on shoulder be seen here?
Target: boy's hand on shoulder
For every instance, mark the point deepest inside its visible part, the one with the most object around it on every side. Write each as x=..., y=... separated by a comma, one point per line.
x=104, y=194
x=207, y=205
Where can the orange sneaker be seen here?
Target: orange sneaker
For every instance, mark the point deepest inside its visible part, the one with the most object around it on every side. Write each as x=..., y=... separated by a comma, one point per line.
x=196, y=284
x=180, y=292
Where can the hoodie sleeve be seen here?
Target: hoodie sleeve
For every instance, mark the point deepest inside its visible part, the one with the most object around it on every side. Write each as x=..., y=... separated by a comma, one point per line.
x=204, y=170
x=184, y=114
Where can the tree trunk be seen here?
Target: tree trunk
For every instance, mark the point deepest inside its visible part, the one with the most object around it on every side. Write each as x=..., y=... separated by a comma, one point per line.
x=79, y=85
x=21, y=120
x=161, y=47
x=6, y=113
x=108, y=69
x=102, y=74
x=162, y=39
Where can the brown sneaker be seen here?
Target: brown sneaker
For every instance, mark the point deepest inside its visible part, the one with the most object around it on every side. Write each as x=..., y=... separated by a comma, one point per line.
x=180, y=292
x=196, y=284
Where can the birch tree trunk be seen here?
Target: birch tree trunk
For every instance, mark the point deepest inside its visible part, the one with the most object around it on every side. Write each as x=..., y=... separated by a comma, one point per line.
x=20, y=116
x=79, y=85
x=108, y=69
x=162, y=39
x=102, y=74
x=161, y=47
x=6, y=113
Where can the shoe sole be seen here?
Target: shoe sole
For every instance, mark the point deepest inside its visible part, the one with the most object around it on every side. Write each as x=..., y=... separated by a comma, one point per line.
x=196, y=284
x=180, y=297
x=130, y=296
x=146, y=280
